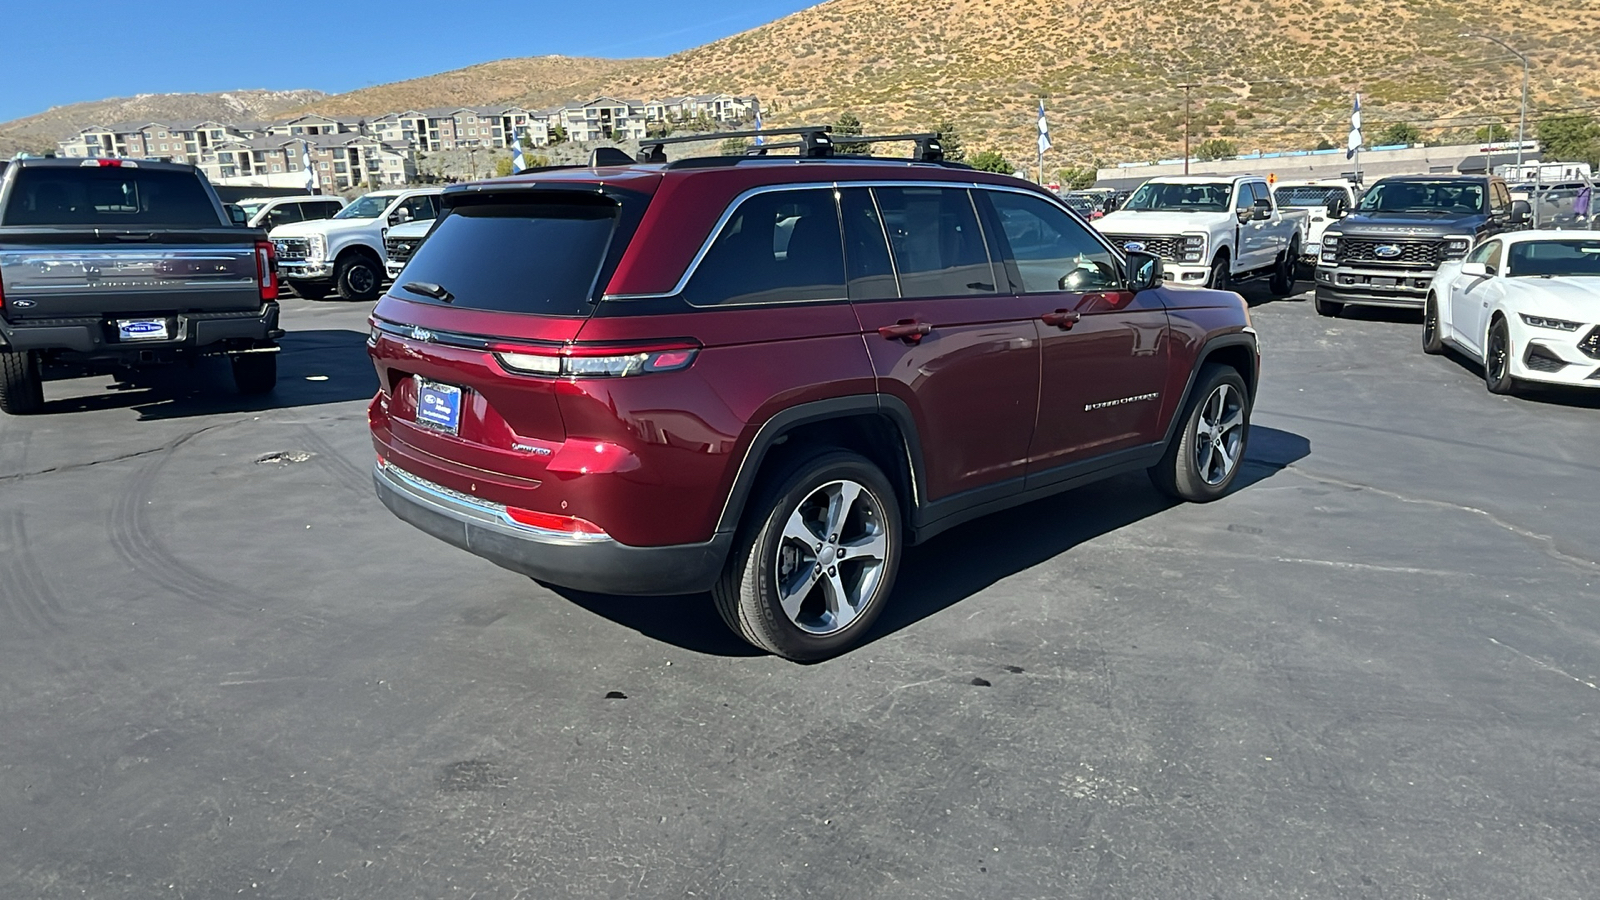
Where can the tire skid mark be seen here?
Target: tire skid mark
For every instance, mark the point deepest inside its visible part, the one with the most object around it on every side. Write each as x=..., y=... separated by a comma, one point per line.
x=25, y=595
x=348, y=474
x=134, y=539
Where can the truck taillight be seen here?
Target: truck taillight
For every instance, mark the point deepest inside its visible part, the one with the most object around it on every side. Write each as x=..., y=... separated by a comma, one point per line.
x=267, y=270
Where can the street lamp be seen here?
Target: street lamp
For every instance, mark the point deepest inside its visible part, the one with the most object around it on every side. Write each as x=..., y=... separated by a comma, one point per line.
x=1522, y=120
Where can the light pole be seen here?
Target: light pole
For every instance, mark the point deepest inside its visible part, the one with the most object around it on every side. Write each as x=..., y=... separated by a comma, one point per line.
x=1186, y=86
x=1522, y=119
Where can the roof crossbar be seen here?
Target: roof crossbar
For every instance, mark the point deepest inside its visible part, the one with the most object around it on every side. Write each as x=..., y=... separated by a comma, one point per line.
x=651, y=148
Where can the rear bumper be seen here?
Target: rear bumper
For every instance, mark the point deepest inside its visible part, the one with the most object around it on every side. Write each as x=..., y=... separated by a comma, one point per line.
x=596, y=564
x=1365, y=286
x=95, y=335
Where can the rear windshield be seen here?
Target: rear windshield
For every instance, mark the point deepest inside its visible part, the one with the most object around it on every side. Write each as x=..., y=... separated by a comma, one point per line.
x=528, y=257
x=109, y=197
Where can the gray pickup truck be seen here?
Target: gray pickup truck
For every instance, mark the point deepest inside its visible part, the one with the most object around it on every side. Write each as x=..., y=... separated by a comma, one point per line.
x=112, y=264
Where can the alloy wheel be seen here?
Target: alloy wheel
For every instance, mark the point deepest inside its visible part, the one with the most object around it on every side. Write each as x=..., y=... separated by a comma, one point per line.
x=361, y=279
x=1495, y=362
x=831, y=557
x=1219, y=434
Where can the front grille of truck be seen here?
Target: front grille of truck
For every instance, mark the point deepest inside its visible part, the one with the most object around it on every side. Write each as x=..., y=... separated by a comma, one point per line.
x=1166, y=247
x=1590, y=345
x=292, y=249
x=1412, y=253
x=400, y=249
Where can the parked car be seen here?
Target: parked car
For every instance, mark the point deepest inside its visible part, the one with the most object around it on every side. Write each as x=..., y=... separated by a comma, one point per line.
x=345, y=253
x=1524, y=304
x=1315, y=197
x=1211, y=230
x=1386, y=252
x=400, y=243
x=112, y=264
x=765, y=377
x=271, y=212
x=1089, y=206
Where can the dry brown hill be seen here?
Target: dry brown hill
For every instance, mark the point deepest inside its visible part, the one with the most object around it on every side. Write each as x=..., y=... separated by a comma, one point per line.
x=537, y=80
x=40, y=132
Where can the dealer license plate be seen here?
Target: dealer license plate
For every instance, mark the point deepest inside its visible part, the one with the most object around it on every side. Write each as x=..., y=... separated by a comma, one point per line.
x=142, y=330
x=1384, y=282
x=438, y=405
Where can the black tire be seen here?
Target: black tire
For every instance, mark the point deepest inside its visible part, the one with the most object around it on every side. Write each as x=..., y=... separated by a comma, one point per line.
x=747, y=594
x=255, y=373
x=312, y=290
x=1283, y=277
x=358, y=277
x=1497, y=360
x=21, y=382
x=1221, y=279
x=1182, y=473
x=1328, y=308
x=1432, y=344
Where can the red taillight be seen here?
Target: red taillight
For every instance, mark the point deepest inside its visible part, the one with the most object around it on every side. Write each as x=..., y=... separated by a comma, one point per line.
x=110, y=163
x=565, y=524
x=267, y=270
x=599, y=361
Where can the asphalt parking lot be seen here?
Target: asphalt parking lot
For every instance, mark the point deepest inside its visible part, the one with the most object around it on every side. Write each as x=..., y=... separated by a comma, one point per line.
x=1372, y=672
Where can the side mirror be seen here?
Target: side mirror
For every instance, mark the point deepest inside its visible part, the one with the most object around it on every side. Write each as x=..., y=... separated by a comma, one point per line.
x=1263, y=209
x=1475, y=269
x=237, y=215
x=1338, y=208
x=1245, y=215
x=1521, y=212
x=1144, y=271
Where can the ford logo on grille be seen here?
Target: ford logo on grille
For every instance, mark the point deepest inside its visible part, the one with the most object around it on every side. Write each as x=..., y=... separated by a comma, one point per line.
x=1135, y=246
x=1386, y=251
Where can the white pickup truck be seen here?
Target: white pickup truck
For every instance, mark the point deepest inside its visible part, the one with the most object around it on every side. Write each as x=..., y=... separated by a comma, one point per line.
x=401, y=242
x=1211, y=230
x=345, y=253
x=1316, y=198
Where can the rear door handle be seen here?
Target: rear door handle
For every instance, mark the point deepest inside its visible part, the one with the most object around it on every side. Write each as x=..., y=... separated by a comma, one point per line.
x=909, y=330
x=1063, y=319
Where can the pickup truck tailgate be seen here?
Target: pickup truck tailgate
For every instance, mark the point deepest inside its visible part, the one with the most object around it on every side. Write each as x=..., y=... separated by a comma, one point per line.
x=76, y=271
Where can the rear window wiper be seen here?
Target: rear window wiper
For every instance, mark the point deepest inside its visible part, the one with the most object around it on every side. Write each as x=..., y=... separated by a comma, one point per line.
x=429, y=289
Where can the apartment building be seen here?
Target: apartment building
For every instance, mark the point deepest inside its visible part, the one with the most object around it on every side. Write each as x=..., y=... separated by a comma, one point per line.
x=602, y=119
x=338, y=160
x=184, y=141
x=721, y=108
x=312, y=125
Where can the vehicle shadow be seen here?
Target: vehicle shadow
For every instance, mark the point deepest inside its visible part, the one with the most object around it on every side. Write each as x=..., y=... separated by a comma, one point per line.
x=1256, y=293
x=1548, y=394
x=959, y=563
x=1395, y=314
x=315, y=367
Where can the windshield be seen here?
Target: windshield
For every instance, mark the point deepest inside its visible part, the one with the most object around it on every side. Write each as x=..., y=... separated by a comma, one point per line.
x=369, y=207
x=1306, y=195
x=1181, y=197
x=1555, y=258
x=1443, y=197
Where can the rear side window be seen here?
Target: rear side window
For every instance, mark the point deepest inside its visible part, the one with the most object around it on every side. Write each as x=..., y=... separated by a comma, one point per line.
x=109, y=197
x=542, y=258
x=938, y=248
x=866, y=250
x=777, y=247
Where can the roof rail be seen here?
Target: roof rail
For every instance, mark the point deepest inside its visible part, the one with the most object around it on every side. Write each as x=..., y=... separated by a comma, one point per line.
x=815, y=142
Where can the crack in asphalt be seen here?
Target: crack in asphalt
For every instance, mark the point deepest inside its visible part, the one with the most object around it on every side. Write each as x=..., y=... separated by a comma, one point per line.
x=1548, y=541
x=134, y=454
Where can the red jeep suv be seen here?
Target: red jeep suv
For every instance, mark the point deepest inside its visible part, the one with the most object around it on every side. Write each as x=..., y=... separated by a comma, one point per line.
x=765, y=376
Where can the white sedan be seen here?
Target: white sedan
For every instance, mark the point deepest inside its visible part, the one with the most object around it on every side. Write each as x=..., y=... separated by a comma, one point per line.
x=1525, y=304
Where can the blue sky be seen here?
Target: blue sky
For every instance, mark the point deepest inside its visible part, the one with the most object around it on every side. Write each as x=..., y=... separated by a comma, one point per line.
x=56, y=54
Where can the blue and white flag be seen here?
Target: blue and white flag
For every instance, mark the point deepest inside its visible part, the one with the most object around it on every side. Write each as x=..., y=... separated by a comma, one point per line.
x=1044, y=130
x=759, y=139
x=311, y=167
x=517, y=162
x=1354, y=142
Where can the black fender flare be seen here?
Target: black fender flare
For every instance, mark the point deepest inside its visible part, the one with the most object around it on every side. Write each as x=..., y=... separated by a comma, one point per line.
x=1245, y=339
x=767, y=436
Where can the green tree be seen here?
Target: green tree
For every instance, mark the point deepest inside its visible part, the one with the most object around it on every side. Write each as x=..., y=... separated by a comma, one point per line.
x=661, y=128
x=950, y=139
x=734, y=147
x=1324, y=144
x=1494, y=133
x=849, y=124
x=1399, y=133
x=991, y=161
x=1076, y=178
x=504, y=167
x=1216, y=148
x=526, y=140
x=558, y=135
x=1570, y=139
